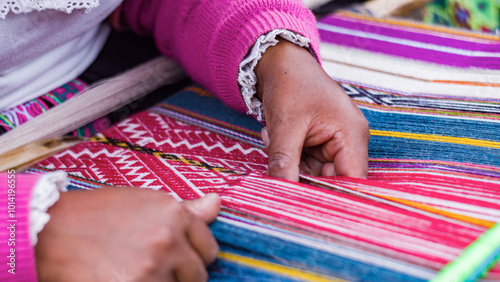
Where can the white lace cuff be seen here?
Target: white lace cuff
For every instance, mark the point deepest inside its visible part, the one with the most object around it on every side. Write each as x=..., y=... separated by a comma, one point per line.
x=26, y=6
x=45, y=195
x=247, y=78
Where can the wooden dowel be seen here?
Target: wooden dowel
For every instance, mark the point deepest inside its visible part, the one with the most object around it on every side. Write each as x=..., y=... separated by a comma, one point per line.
x=105, y=97
x=385, y=8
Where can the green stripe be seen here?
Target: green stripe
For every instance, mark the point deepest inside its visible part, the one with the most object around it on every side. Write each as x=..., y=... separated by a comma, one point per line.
x=473, y=258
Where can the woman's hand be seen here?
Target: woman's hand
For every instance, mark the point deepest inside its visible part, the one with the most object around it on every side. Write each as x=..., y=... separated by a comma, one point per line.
x=312, y=125
x=127, y=234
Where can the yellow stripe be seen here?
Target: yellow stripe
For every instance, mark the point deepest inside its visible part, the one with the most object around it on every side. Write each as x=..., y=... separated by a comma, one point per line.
x=437, y=138
x=464, y=218
x=276, y=268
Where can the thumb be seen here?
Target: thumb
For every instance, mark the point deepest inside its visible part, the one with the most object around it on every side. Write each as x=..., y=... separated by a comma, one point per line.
x=285, y=149
x=207, y=208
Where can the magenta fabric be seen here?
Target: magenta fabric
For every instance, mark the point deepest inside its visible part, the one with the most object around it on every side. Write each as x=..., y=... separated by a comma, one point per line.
x=16, y=253
x=430, y=46
x=210, y=38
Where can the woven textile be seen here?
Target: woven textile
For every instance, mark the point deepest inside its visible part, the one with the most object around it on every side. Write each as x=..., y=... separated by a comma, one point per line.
x=420, y=63
x=14, y=117
x=433, y=186
x=412, y=40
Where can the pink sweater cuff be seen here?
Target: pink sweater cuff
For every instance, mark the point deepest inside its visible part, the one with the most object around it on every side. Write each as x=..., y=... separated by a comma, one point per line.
x=227, y=57
x=17, y=256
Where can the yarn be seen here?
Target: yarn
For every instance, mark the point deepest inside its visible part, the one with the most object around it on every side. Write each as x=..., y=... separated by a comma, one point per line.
x=433, y=187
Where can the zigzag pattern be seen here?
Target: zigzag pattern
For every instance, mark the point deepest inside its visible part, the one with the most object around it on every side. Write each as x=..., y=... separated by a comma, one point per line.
x=135, y=166
x=136, y=153
x=136, y=133
x=105, y=164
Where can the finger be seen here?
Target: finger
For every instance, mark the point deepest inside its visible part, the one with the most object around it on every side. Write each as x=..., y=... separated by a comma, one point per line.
x=316, y=153
x=310, y=166
x=203, y=242
x=350, y=153
x=189, y=266
x=328, y=169
x=319, y=164
x=207, y=208
x=285, y=149
x=265, y=136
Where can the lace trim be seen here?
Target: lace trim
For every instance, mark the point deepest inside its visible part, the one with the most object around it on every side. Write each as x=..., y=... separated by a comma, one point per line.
x=45, y=195
x=246, y=75
x=26, y=6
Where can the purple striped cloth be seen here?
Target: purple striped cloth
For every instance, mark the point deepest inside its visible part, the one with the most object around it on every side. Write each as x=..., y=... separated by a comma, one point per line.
x=412, y=41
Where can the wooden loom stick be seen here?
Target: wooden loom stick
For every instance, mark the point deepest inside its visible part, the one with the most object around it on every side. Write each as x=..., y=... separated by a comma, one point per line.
x=384, y=8
x=312, y=4
x=475, y=260
x=23, y=157
x=105, y=97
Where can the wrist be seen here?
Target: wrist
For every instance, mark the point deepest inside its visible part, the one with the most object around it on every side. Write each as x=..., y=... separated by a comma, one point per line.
x=279, y=61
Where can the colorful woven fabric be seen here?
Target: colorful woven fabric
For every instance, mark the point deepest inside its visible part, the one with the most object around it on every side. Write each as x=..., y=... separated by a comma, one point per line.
x=412, y=40
x=416, y=61
x=483, y=15
x=433, y=186
x=14, y=117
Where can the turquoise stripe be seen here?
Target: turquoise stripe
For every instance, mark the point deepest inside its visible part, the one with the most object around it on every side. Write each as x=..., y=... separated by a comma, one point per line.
x=433, y=125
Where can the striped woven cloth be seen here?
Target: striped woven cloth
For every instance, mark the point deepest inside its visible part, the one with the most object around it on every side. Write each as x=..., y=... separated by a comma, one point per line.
x=452, y=47
x=411, y=58
x=433, y=186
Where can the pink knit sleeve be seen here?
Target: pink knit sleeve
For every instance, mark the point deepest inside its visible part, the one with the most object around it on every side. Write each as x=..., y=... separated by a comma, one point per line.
x=17, y=256
x=210, y=38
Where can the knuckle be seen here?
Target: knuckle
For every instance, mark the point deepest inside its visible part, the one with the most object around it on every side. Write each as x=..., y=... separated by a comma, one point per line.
x=340, y=139
x=365, y=129
x=164, y=238
x=183, y=213
x=361, y=126
x=364, y=125
x=280, y=161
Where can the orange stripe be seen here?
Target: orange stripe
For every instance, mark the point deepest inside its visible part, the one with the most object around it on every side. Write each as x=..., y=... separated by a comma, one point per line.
x=464, y=218
x=467, y=83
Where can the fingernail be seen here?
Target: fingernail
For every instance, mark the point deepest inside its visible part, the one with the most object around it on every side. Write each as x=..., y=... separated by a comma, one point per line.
x=265, y=136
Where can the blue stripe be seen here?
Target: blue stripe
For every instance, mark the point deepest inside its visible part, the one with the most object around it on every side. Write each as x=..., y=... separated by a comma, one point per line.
x=252, y=244
x=228, y=271
x=433, y=125
x=213, y=108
